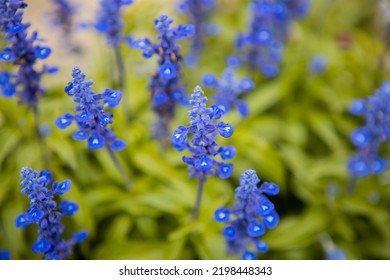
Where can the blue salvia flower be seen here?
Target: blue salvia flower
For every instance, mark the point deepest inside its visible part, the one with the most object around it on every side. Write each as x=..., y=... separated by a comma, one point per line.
x=375, y=131
x=254, y=213
x=200, y=139
x=24, y=52
x=198, y=11
x=109, y=20
x=228, y=91
x=63, y=15
x=166, y=83
x=45, y=212
x=92, y=119
x=264, y=43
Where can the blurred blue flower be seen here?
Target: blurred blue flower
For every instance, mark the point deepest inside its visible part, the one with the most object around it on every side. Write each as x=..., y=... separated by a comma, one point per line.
x=166, y=83
x=375, y=131
x=198, y=12
x=24, y=52
x=109, y=20
x=91, y=118
x=47, y=215
x=228, y=91
x=336, y=254
x=318, y=64
x=264, y=43
x=63, y=15
x=254, y=213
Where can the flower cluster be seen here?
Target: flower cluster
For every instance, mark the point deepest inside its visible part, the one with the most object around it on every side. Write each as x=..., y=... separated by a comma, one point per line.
x=264, y=43
x=228, y=90
x=109, y=20
x=47, y=215
x=92, y=119
x=165, y=85
x=253, y=212
x=63, y=15
x=199, y=11
x=202, y=145
x=375, y=131
x=22, y=51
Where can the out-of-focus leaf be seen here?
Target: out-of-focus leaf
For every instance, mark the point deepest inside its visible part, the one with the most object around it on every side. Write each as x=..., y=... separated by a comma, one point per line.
x=298, y=231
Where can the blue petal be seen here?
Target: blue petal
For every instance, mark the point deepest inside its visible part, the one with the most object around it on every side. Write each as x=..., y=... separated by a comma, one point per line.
x=80, y=236
x=63, y=187
x=96, y=142
x=63, y=122
x=80, y=135
x=22, y=221
x=69, y=208
x=225, y=170
x=41, y=246
x=225, y=130
x=222, y=215
x=118, y=145
x=42, y=52
x=255, y=229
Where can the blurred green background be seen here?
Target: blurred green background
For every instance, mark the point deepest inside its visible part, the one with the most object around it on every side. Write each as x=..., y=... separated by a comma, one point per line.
x=297, y=135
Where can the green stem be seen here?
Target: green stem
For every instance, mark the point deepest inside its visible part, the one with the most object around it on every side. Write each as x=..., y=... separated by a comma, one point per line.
x=39, y=136
x=120, y=67
x=120, y=168
x=121, y=81
x=195, y=210
x=351, y=186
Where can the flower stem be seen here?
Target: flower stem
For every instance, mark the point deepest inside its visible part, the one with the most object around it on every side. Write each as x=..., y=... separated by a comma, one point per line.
x=39, y=136
x=351, y=186
x=120, y=168
x=195, y=210
x=120, y=66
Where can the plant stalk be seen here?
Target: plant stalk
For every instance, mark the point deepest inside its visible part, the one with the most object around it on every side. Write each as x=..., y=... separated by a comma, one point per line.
x=120, y=168
x=195, y=210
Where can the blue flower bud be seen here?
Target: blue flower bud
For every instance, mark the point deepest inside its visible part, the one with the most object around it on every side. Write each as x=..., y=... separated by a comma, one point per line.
x=63, y=187
x=69, y=208
x=271, y=220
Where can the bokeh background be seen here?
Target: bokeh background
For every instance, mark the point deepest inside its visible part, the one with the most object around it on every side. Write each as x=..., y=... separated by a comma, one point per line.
x=297, y=135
